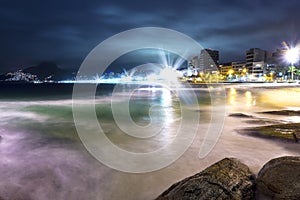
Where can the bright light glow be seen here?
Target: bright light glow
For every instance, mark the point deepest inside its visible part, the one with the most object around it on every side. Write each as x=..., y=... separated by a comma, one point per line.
x=166, y=71
x=292, y=55
x=230, y=72
x=168, y=74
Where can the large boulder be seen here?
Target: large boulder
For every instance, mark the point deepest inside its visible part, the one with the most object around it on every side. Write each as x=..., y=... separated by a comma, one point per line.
x=226, y=179
x=280, y=179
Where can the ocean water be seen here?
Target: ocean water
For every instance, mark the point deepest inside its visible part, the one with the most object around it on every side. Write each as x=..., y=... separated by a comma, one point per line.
x=42, y=156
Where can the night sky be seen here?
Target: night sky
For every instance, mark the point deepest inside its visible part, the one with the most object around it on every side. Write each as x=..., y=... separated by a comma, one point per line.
x=66, y=31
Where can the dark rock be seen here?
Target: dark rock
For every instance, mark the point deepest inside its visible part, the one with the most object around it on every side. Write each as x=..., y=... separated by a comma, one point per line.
x=280, y=179
x=226, y=179
x=241, y=115
x=283, y=112
x=282, y=132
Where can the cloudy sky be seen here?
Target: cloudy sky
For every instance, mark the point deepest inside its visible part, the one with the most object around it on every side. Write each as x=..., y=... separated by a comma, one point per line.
x=66, y=31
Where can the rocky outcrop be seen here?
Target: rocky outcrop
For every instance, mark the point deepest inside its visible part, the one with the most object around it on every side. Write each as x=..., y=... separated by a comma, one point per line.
x=281, y=132
x=240, y=115
x=280, y=179
x=226, y=179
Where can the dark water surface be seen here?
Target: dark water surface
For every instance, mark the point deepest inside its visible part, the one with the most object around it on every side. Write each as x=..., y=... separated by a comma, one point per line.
x=42, y=157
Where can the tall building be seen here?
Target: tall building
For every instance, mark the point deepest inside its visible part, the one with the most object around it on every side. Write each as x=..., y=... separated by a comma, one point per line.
x=255, y=61
x=258, y=69
x=277, y=64
x=278, y=57
x=195, y=62
x=208, y=60
x=238, y=66
x=254, y=55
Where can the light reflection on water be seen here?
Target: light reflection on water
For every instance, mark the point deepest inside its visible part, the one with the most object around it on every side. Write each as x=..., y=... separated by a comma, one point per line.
x=250, y=101
x=284, y=98
x=241, y=100
x=35, y=153
x=232, y=96
x=148, y=106
x=256, y=101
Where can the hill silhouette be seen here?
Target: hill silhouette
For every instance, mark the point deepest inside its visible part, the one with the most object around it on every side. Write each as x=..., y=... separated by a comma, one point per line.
x=43, y=71
x=46, y=69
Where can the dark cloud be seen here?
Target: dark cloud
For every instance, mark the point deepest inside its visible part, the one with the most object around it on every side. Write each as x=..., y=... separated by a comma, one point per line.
x=65, y=31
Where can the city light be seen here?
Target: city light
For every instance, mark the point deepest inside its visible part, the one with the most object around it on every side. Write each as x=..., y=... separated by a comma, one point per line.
x=292, y=55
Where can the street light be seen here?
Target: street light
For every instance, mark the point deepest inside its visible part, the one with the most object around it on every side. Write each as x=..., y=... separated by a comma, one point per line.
x=230, y=72
x=292, y=56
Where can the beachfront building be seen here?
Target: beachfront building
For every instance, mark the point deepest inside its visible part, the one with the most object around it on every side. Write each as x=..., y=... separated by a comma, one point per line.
x=279, y=64
x=209, y=60
x=257, y=69
x=256, y=61
x=225, y=68
x=195, y=62
x=234, y=70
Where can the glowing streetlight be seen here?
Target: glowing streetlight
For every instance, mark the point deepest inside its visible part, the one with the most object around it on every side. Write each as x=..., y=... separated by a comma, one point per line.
x=230, y=73
x=292, y=56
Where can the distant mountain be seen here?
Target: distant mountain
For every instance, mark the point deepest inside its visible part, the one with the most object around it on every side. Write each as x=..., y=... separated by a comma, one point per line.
x=48, y=69
x=43, y=71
